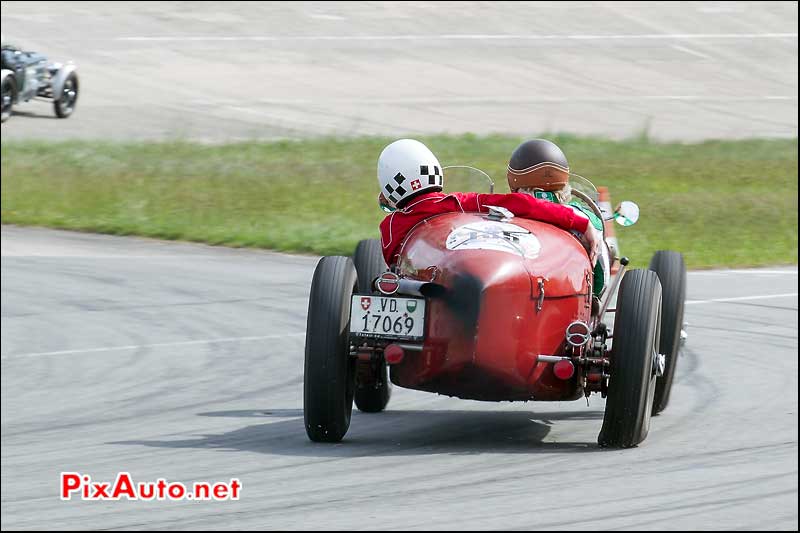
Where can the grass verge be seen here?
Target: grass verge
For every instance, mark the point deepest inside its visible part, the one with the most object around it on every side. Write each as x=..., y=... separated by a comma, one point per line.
x=722, y=203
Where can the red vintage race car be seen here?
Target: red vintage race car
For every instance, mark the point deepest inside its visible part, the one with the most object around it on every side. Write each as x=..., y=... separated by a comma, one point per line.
x=496, y=308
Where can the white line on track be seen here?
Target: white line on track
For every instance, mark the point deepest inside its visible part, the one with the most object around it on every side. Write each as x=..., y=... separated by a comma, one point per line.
x=460, y=37
x=690, y=51
x=490, y=100
x=737, y=272
x=741, y=298
x=155, y=345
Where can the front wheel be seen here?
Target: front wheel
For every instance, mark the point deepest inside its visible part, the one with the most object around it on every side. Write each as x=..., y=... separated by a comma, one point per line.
x=9, y=91
x=671, y=272
x=632, y=383
x=373, y=388
x=329, y=378
x=369, y=262
x=65, y=102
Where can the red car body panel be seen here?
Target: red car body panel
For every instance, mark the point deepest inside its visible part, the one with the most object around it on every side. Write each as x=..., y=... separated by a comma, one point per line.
x=494, y=356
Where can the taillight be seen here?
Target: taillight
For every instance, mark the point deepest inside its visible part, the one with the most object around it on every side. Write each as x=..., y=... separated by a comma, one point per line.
x=564, y=369
x=393, y=354
x=388, y=283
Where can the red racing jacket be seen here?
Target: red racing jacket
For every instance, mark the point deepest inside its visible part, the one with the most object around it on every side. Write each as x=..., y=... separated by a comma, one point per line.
x=396, y=226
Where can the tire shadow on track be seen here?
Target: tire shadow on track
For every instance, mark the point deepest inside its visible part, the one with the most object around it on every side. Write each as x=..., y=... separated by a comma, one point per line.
x=394, y=433
x=30, y=114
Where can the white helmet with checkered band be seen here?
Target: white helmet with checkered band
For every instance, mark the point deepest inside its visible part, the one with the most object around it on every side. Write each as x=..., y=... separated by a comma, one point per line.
x=407, y=168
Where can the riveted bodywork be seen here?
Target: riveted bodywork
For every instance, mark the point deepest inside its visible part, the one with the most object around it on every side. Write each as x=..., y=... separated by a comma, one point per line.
x=516, y=286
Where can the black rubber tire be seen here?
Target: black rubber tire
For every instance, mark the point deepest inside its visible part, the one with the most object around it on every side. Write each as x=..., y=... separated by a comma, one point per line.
x=671, y=271
x=65, y=108
x=329, y=377
x=368, y=258
x=9, y=88
x=369, y=262
x=374, y=397
x=632, y=383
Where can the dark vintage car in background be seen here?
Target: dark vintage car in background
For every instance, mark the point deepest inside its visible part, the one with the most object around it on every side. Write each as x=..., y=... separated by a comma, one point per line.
x=29, y=75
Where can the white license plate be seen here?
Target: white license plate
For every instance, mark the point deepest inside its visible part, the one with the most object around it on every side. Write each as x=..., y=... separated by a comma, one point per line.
x=386, y=316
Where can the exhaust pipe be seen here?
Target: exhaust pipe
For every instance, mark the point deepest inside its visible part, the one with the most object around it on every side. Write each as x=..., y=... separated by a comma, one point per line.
x=462, y=297
x=424, y=289
x=390, y=283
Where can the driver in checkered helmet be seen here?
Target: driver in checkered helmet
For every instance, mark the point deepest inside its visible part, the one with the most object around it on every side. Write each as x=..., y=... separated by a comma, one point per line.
x=411, y=181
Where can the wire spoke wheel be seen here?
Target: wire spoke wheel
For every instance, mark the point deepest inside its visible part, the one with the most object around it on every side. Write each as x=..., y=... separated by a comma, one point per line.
x=68, y=98
x=8, y=98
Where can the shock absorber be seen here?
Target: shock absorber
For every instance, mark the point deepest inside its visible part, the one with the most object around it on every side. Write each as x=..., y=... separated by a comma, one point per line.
x=597, y=364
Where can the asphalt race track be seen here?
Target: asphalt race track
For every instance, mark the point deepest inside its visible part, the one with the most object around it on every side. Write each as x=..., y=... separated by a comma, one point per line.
x=185, y=362
x=218, y=71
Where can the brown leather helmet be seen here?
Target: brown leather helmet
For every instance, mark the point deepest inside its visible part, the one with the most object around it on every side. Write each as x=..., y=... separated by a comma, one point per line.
x=540, y=164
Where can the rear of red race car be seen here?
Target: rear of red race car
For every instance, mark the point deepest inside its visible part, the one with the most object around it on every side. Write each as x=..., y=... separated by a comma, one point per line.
x=478, y=307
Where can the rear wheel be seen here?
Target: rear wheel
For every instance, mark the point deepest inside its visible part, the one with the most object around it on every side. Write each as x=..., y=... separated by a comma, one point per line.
x=329, y=379
x=373, y=388
x=65, y=102
x=632, y=383
x=671, y=272
x=9, y=91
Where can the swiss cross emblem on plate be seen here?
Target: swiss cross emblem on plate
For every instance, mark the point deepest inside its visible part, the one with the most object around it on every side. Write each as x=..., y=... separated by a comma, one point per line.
x=366, y=301
x=415, y=185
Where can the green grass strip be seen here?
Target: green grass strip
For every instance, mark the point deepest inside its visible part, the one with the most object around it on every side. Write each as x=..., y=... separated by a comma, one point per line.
x=721, y=203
